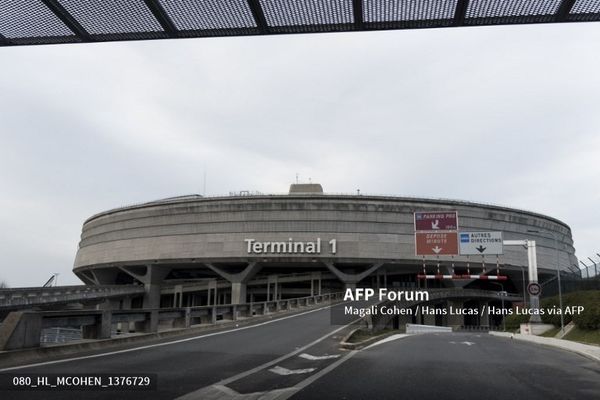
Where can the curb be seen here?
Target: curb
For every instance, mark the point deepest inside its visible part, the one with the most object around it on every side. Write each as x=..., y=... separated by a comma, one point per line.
x=359, y=345
x=586, y=350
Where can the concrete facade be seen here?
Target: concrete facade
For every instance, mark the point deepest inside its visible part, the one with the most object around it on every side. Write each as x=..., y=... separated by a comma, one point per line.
x=358, y=237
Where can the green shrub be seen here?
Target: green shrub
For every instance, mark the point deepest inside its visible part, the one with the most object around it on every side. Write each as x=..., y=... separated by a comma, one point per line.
x=588, y=319
x=514, y=321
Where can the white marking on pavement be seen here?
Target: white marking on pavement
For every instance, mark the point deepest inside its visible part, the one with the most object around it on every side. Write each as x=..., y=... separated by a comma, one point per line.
x=167, y=343
x=388, y=339
x=314, y=358
x=468, y=343
x=284, y=371
x=198, y=394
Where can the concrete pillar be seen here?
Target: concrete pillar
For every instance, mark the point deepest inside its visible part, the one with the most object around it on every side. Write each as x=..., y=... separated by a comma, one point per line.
x=126, y=303
x=384, y=278
x=485, y=316
x=238, y=293
x=20, y=329
x=152, y=281
x=240, y=278
x=101, y=329
x=350, y=279
x=453, y=320
x=150, y=324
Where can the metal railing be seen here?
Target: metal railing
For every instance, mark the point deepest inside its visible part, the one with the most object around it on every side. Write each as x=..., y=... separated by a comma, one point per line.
x=27, y=297
x=99, y=324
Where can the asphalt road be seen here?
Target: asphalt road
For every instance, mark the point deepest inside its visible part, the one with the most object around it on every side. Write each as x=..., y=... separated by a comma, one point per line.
x=459, y=366
x=188, y=366
x=300, y=357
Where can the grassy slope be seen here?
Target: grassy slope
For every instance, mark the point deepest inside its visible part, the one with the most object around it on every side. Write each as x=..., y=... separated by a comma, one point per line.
x=584, y=336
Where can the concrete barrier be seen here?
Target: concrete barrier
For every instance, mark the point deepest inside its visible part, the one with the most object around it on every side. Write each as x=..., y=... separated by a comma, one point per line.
x=414, y=328
x=22, y=330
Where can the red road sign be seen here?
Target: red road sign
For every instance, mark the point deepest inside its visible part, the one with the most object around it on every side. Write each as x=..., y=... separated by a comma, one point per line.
x=436, y=221
x=436, y=243
x=534, y=289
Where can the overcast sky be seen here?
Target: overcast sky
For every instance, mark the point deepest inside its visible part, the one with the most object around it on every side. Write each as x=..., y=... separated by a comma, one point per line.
x=506, y=115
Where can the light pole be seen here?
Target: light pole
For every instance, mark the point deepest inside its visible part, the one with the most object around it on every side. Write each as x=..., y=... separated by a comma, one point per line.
x=524, y=290
x=560, y=303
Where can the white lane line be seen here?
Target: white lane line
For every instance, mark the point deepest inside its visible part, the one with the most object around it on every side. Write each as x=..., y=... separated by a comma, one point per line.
x=164, y=343
x=198, y=394
x=284, y=371
x=387, y=339
x=315, y=376
x=285, y=356
x=314, y=358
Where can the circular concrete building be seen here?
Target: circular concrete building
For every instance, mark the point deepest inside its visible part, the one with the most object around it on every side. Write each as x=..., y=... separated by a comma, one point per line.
x=194, y=250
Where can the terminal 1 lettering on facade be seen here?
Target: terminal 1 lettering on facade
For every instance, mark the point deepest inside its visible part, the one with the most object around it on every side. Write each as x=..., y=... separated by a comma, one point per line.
x=290, y=246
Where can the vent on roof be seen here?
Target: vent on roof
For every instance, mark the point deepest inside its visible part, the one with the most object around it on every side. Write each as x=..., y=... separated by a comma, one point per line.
x=305, y=188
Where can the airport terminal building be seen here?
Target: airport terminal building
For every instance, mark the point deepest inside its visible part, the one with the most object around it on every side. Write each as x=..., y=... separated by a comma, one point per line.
x=195, y=250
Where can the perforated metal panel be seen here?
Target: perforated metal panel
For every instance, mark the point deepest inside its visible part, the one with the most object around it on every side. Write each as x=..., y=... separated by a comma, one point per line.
x=586, y=10
x=290, y=13
x=55, y=21
x=29, y=18
x=109, y=17
x=511, y=11
x=408, y=10
x=209, y=14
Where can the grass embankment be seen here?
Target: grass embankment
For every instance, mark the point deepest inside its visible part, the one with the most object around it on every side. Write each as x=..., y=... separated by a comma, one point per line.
x=587, y=323
x=552, y=332
x=584, y=336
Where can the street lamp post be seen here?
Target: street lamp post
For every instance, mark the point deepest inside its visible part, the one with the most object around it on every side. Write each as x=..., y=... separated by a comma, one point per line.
x=560, y=303
x=524, y=290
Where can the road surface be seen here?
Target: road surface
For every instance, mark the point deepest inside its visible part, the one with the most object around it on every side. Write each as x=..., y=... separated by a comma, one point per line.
x=459, y=366
x=299, y=357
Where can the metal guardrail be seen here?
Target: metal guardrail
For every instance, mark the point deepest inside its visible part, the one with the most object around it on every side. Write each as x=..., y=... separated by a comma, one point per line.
x=28, y=297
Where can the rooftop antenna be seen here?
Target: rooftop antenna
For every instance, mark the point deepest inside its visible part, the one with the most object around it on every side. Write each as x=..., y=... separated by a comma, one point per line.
x=296, y=178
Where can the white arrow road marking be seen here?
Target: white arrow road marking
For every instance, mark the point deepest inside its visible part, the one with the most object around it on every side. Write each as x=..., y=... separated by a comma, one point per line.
x=468, y=343
x=436, y=224
x=284, y=371
x=437, y=249
x=314, y=358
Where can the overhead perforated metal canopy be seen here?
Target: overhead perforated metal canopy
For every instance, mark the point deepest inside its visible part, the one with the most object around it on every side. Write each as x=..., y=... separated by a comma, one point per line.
x=24, y=22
